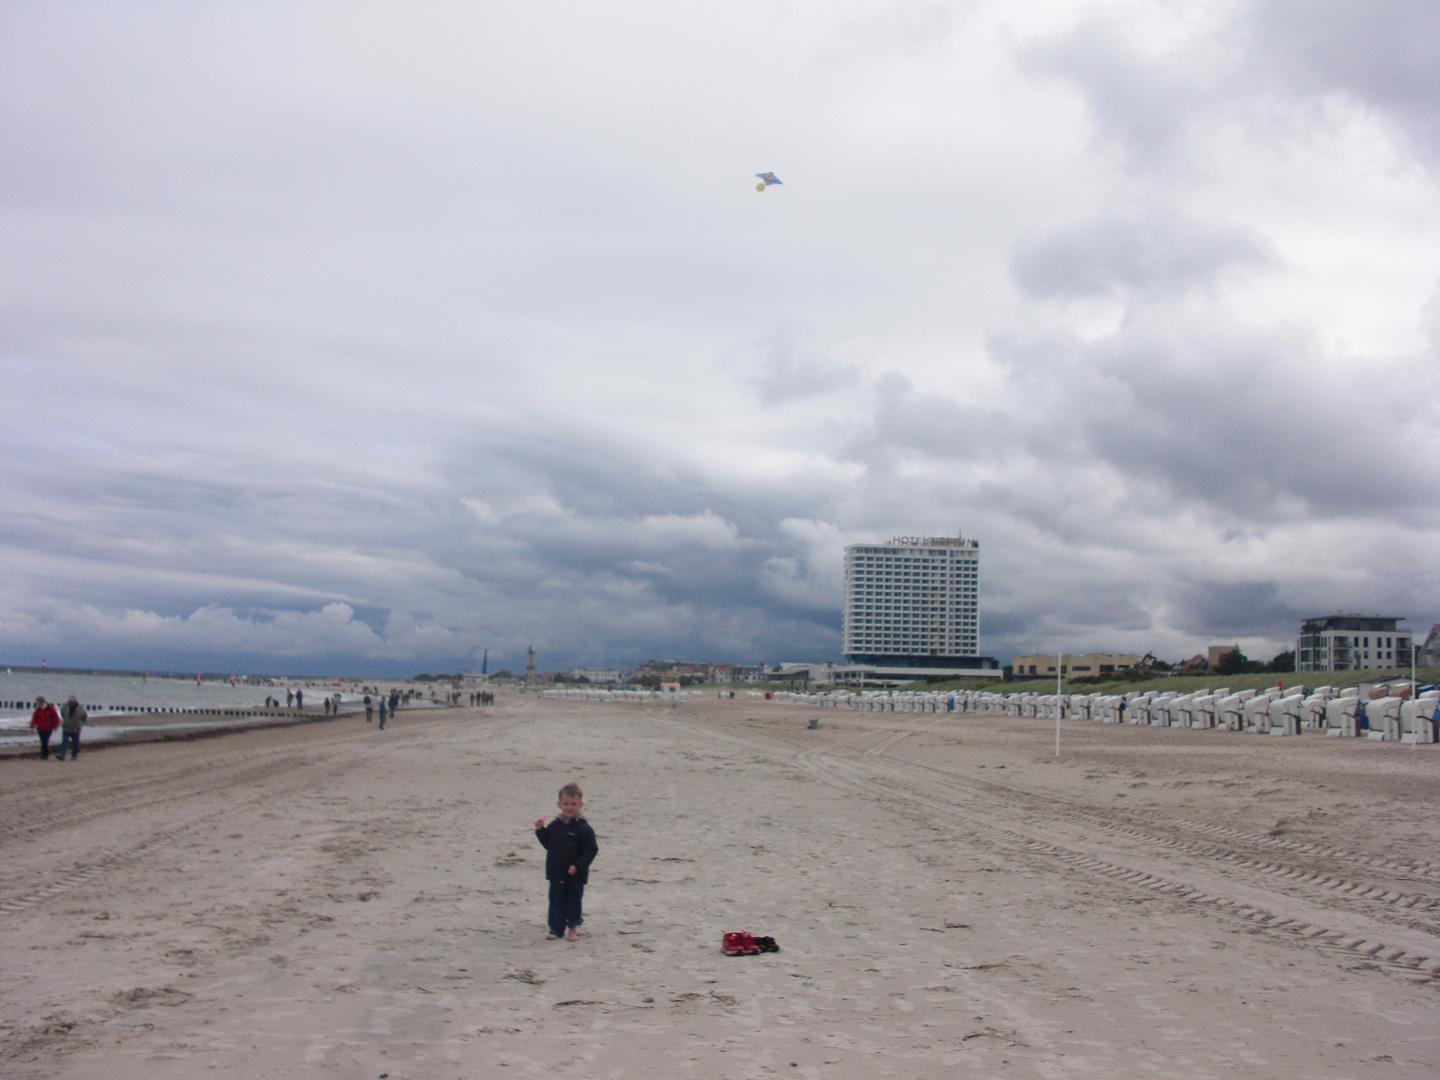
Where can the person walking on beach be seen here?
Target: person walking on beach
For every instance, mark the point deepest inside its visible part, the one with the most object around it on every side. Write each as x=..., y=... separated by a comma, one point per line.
x=72, y=719
x=300, y=699
x=570, y=848
x=289, y=698
x=369, y=710
x=394, y=702
x=44, y=720
x=383, y=704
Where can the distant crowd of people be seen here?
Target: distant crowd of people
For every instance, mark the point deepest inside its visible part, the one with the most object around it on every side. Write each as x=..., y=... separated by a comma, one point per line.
x=388, y=706
x=70, y=718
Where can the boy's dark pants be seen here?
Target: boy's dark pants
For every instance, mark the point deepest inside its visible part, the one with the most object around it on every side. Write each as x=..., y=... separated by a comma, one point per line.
x=565, y=897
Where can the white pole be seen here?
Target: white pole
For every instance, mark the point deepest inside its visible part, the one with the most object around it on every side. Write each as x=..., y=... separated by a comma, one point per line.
x=1414, y=693
x=1059, y=663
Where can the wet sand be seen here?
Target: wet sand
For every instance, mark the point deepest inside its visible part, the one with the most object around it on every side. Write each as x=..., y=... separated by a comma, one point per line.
x=332, y=901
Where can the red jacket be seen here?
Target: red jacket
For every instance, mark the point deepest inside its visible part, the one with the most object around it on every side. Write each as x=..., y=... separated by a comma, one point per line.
x=45, y=718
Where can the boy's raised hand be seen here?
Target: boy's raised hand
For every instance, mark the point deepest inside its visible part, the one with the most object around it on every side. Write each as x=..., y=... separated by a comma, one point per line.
x=540, y=822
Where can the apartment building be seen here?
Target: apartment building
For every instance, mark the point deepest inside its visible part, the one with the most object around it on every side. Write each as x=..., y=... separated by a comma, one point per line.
x=1351, y=643
x=1074, y=667
x=913, y=603
x=595, y=674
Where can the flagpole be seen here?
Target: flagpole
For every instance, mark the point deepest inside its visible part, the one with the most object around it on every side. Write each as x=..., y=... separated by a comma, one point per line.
x=1059, y=665
x=1414, y=694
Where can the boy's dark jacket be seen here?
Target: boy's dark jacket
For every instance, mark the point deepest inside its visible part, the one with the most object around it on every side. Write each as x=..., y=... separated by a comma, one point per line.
x=568, y=845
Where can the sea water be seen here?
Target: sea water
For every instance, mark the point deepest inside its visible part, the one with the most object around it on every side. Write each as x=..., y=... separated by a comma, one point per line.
x=102, y=694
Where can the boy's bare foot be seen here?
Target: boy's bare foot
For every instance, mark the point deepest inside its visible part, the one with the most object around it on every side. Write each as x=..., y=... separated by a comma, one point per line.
x=552, y=937
x=573, y=935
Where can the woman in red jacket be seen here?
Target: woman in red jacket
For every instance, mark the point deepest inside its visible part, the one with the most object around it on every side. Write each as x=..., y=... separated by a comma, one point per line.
x=44, y=720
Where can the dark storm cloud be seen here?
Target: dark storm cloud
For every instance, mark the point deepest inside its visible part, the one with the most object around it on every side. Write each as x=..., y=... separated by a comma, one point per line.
x=1273, y=58
x=603, y=508
x=1067, y=613
x=1234, y=609
x=1259, y=424
x=1140, y=103
x=904, y=419
x=1381, y=53
x=580, y=545
x=1158, y=252
x=788, y=371
x=1248, y=422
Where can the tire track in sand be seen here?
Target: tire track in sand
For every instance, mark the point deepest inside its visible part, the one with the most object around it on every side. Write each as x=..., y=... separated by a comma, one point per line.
x=875, y=774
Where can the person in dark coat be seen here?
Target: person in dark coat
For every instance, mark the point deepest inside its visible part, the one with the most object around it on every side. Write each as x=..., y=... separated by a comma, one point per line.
x=570, y=848
x=72, y=719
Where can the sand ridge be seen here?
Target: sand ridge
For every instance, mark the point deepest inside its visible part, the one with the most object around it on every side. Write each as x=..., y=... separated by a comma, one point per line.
x=335, y=901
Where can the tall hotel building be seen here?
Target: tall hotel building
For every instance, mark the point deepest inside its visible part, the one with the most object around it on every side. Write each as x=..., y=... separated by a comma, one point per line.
x=913, y=603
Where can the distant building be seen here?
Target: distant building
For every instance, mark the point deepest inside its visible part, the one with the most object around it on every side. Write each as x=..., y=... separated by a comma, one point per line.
x=1216, y=653
x=1352, y=643
x=817, y=675
x=595, y=674
x=670, y=670
x=1430, y=651
x=737, y=673
x=1088, y=666
x=882, y=675
x=913, y=604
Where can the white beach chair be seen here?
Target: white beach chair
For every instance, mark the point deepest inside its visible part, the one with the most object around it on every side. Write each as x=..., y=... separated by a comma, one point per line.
x=1340, y=718
x=1181, y=710
x=1257, y=712
x=1384, y=716
x=1312, y=708
x=1160, y=710
x=1137, y=708
x=1285, y=715
x=1418, y=719
x=1230, y=710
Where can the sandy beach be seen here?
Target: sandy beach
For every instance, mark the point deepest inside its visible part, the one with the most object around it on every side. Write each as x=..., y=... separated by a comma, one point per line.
x=332, y=901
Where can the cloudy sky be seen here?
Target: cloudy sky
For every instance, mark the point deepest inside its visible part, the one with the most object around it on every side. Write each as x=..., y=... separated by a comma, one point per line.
x=364, y=337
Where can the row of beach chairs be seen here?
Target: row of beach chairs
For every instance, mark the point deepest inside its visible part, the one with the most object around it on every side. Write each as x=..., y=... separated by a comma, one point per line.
x=1277, y=711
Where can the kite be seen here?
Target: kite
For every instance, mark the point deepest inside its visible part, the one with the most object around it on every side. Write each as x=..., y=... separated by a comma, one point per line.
x=766, y=179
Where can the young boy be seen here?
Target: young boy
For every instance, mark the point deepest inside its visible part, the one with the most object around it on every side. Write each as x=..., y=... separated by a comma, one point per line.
x=570, y=848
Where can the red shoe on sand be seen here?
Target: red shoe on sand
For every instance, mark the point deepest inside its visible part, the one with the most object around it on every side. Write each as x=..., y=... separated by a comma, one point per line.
x=739, y=943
